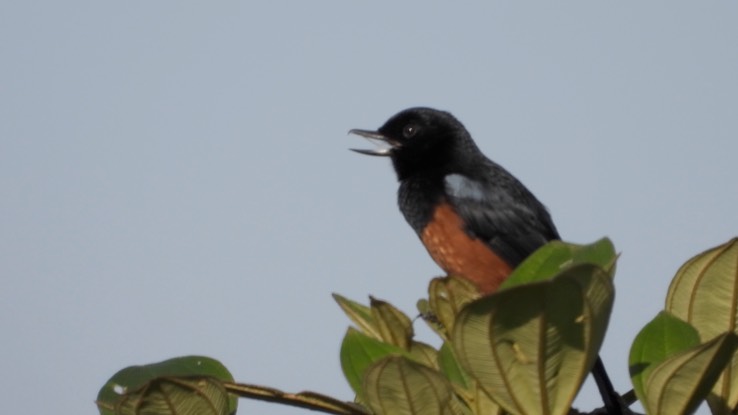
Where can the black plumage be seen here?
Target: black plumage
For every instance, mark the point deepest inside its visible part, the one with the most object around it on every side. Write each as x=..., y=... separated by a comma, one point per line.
x=436, y=160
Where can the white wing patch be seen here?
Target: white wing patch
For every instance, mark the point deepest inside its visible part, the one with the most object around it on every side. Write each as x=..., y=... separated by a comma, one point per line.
x=462, y=187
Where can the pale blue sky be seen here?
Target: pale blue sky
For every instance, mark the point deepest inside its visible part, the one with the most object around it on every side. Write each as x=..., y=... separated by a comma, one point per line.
x=175, y=179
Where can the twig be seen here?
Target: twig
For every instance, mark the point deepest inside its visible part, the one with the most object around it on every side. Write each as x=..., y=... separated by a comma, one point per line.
x=308, y=400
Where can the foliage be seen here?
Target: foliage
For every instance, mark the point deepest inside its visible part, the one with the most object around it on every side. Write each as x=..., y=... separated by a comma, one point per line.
x=525, y=349
x=183, y=385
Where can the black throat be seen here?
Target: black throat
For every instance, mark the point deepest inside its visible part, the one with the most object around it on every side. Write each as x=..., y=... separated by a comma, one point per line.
x=417, y=198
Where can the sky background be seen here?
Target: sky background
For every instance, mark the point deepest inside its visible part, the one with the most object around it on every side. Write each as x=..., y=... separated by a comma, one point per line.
x=174, y=175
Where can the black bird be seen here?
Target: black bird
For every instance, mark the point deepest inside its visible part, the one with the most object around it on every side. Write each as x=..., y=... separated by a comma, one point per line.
x=476, y=220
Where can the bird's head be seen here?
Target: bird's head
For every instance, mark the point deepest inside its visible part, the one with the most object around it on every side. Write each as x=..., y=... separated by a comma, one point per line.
x=421, y=140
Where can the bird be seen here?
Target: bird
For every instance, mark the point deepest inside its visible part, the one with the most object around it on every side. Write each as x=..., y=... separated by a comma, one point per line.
x=476, y=220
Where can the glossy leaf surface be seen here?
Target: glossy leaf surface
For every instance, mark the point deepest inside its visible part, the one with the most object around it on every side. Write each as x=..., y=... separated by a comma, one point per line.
x=556, y=256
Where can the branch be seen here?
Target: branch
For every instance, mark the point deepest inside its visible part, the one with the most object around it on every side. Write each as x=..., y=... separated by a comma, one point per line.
x=308, y=400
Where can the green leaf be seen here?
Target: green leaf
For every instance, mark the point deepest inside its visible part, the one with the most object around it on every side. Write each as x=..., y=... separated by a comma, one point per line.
x=451, y=368
x=360, y=314
x=431, y=319
x=358, y=352
x=424, y=354
x=531, y=346
x=399, y=386
x=478, y=401
x=679, y=384
x=661, y=338
x=556, y=256
x=393, y=325
x=176, y=396
x=704, y=293
x=447, y=296
x=482, y=403
x=152, y=381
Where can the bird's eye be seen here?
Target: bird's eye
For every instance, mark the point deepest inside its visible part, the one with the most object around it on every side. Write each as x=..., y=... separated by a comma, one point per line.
x=409, y=131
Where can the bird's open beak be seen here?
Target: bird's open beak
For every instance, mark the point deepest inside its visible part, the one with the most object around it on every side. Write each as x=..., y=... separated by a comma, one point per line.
x=384, y=143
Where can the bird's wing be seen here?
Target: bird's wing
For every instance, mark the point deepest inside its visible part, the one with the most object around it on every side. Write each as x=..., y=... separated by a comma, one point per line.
x=501, y=212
